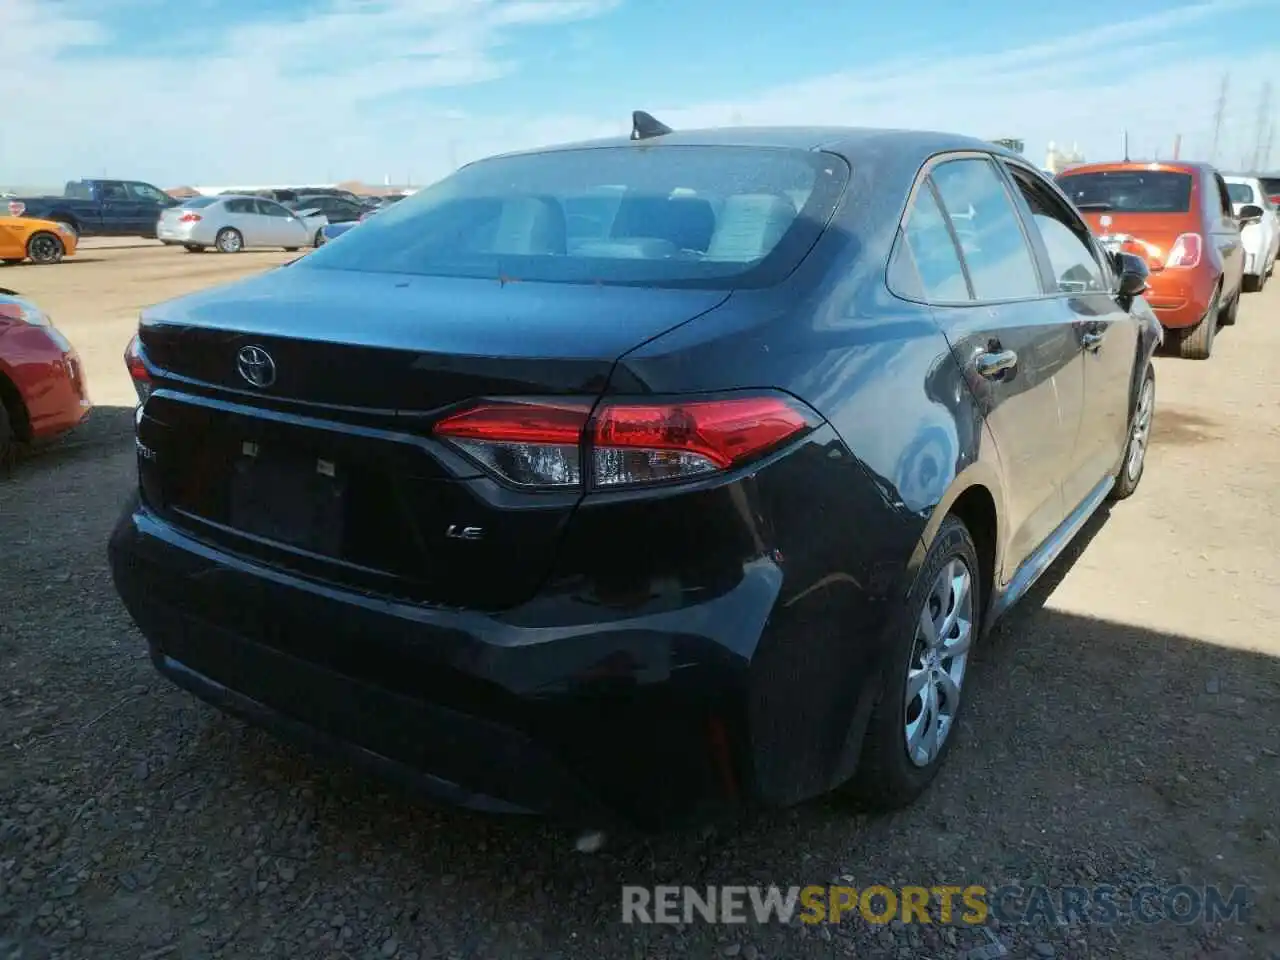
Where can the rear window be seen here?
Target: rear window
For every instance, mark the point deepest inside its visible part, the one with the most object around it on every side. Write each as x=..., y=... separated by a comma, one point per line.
x=195, y=203
x=1240, y=193
x=1271, y=185
x=642, y=215
x=1129, y=191
x=77, y=189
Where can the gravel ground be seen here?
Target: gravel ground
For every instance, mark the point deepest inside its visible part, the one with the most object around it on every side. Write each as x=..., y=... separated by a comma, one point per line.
x=1124, y=728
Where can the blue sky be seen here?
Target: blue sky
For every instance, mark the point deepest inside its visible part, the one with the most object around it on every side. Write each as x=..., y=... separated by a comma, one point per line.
x=246, y=91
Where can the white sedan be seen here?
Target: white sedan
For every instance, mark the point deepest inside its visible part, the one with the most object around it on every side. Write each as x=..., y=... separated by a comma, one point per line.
x=1261, y=237
x=234, y=223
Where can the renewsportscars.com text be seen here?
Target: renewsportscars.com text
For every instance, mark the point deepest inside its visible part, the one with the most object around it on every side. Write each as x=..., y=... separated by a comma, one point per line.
x=973, y=904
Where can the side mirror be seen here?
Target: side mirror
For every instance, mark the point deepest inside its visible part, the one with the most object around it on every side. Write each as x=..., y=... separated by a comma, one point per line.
x=1131, y=274
x=1249, y=213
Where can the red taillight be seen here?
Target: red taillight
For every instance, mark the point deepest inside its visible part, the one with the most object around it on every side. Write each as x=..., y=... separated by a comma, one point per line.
x=189, y=218
x=1185, y=251
x=546, y=445
x=1275, y=198
x=138, y=371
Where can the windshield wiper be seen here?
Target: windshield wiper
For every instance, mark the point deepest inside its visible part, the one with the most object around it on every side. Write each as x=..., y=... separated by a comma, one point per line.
x=1093, y=205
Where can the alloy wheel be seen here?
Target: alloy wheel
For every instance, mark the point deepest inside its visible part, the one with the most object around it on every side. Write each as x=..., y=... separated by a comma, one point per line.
x=1141, y=430
x=939, y=656
x=44, y=248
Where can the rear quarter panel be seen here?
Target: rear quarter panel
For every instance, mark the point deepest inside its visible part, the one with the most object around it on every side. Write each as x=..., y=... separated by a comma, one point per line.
x=907, y=438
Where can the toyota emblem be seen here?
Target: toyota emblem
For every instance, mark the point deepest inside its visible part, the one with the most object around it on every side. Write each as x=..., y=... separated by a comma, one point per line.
x=256, y=366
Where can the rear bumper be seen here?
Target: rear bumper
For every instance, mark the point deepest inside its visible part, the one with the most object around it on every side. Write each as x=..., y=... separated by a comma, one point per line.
x=63, y=402
x=176, y=234
x=1180, y=297
x=639, y=722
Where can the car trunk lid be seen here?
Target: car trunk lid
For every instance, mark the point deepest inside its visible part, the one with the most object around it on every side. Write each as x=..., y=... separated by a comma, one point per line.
x=290, y=420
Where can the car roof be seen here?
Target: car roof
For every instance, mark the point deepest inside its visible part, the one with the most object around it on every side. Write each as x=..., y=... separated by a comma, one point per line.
x=1171, y=166
x=850, y=142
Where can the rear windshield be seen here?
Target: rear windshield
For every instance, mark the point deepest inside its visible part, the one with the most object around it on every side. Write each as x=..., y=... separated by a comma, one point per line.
x=1271, y=185
x=1129, y=191
x=77, y=189
x=196, y=203
x=1240, y=193
x=642, y=215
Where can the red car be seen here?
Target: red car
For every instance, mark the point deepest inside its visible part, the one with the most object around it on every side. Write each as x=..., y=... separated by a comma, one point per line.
x=1178, y=217
x=42, y=387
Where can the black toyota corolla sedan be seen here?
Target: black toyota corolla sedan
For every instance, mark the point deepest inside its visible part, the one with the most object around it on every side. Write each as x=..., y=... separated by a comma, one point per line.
x=638, y=480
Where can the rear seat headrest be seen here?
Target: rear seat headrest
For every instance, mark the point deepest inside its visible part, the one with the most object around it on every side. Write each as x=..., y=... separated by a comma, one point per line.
x=750, y=226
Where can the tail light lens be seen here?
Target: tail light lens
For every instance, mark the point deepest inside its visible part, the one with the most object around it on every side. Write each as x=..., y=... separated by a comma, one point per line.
x=189, y=218
x=1275, y=198
x=556, y=445
x=1186, y=251
x=138, y=371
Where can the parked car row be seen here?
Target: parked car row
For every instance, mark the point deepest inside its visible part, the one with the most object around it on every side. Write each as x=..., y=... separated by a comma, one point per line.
x=232, y=223
x=334, y=230
x=46, y=229
x=636, y=482
x=1205, y=237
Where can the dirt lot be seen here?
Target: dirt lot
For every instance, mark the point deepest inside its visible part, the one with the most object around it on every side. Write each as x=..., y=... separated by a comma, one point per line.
x=1124, y=729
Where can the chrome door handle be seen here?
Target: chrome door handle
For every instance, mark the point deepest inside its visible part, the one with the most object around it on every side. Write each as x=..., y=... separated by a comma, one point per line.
x=1092, y=341
x=993, y=365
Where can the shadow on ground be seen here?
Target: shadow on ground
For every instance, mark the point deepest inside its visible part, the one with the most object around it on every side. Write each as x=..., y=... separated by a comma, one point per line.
x=106, y=427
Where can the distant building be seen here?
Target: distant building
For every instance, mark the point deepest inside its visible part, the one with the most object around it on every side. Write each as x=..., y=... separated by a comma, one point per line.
x=1056, y=160
x=1017, y=146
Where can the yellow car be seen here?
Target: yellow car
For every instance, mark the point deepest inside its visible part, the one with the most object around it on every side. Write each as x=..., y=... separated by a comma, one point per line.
x=40, y=241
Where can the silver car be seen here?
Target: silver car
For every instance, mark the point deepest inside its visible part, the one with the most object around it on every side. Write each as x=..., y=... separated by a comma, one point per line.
x=235, y=223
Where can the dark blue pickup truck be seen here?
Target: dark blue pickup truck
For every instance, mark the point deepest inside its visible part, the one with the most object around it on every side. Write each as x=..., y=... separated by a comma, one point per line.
x=100, y=208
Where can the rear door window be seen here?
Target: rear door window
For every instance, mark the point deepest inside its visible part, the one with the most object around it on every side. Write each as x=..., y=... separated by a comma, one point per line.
x=987, y=226
x=927, y=257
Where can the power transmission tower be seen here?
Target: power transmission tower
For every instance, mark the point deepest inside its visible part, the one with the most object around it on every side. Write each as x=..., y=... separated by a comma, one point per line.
x=1266, y=151
x=1264, y=114
x=1217, y=116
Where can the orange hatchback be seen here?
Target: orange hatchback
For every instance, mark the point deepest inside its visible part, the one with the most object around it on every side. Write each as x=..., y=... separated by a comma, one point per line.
x=1178, y=217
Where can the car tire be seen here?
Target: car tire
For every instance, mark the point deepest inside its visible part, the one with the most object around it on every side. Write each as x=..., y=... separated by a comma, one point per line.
x=318, y=239
x=229, y=240
x=1134, y=461
x=1228, y=318
x=6, y=437
x=45, y=248
x=1197, y=342
x=889, y=777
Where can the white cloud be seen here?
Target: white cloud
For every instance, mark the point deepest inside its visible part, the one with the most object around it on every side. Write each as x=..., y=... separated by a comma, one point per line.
x=320, y=96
